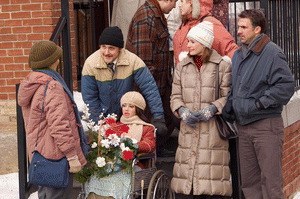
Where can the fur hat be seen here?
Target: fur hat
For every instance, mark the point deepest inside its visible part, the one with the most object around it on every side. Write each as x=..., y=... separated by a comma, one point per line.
x=201, y=8
x=112, y=36
x=196, y=9
x=43, y=54
x=202, y=33
x=134, y=98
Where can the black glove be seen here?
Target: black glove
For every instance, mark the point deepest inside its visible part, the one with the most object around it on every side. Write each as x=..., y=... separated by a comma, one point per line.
x=187, y=116
x=160, y=125
x=228, y=113
x=206, y=113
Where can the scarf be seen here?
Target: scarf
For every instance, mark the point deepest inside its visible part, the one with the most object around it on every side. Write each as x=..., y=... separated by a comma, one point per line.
x=246, y=48
x=135, y=125
x=198, y=61
x=56, y=76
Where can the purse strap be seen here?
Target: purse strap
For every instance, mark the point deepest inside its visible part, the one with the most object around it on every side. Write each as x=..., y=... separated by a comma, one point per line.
x=42, y=111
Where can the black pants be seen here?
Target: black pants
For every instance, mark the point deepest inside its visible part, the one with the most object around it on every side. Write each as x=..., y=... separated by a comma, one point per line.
x=171, y=121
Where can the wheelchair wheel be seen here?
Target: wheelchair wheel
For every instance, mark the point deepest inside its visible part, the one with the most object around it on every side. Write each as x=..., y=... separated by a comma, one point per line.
x=159, y=186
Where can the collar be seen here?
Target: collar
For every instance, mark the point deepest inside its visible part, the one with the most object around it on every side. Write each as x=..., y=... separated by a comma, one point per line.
x=214, y=58
x=258, y=44
x=122, y=60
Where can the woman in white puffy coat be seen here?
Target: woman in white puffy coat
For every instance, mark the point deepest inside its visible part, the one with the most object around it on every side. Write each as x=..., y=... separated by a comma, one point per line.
x=202, y=159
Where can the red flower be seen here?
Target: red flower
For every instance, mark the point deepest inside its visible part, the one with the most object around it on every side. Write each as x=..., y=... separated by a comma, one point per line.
x=109, y=132
x=117, y=128
x=127, y=155
x=110, y=120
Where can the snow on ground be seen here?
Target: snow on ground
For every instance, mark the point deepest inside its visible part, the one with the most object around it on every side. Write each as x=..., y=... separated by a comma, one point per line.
x=9, y=187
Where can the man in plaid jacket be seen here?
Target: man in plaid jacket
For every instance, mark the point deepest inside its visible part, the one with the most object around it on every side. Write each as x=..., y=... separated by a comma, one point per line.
x=148, y=37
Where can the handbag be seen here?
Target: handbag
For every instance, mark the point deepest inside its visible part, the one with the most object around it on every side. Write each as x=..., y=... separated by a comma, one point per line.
x=226, y=130
x=47, y=172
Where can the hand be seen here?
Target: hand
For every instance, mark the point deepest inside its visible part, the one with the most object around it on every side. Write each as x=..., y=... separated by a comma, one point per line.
x=160, y=125
x=228, y=113
x=74, y=164
x=187, y=116
x=206, y=113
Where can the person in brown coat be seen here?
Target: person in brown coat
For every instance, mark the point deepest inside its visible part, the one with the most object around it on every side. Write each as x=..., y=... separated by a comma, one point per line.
x=51, y=124
x=201, y=168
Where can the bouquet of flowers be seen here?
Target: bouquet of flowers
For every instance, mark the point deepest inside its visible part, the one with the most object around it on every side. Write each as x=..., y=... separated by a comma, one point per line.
x=111, y=151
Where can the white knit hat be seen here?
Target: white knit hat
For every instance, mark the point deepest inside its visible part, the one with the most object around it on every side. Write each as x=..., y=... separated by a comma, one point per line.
x=202, y=33
x=135, y=98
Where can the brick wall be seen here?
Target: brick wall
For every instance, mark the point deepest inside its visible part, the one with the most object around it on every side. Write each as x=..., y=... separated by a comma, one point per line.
x=23, y=22
x=291, y=159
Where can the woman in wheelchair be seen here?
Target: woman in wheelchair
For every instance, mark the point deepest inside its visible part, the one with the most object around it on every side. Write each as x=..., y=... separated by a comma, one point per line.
x=118, y=185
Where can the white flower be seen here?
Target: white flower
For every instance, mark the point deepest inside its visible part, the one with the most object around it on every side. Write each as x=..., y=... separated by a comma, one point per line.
x=85, y=111
x=90, y=124
x=100, y=161
x=114, y=140
x=122, y=146
x=105, y=143
x=94, y=145
x=113, y=115
x=95, y=128
x=134, y=141
x=126, y=149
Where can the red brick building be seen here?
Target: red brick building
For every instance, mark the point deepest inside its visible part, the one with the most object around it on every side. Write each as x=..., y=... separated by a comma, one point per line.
x=23, y=22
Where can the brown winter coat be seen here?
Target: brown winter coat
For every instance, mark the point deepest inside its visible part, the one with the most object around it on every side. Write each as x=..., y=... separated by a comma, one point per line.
x=148, y=38
x=55, y=131
x=202, y=157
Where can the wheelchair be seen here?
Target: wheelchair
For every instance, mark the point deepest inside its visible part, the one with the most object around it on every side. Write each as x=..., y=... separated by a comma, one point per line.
x=149, y=182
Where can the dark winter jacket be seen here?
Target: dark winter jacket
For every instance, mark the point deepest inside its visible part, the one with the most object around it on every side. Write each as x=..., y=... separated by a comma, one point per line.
x=261, y=82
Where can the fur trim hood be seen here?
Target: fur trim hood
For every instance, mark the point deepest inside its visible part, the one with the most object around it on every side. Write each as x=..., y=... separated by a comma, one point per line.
x=201, y=8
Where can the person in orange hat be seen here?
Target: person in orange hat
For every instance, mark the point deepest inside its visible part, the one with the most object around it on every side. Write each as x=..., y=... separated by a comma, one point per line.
x=194, y=12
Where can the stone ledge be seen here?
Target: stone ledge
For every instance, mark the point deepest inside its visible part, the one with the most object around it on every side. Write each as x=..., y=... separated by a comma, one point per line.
x=7, y=111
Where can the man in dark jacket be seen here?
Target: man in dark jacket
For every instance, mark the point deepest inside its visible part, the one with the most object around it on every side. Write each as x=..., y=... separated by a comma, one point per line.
x=112, y=71
x=261, y=84
x=148, y=37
